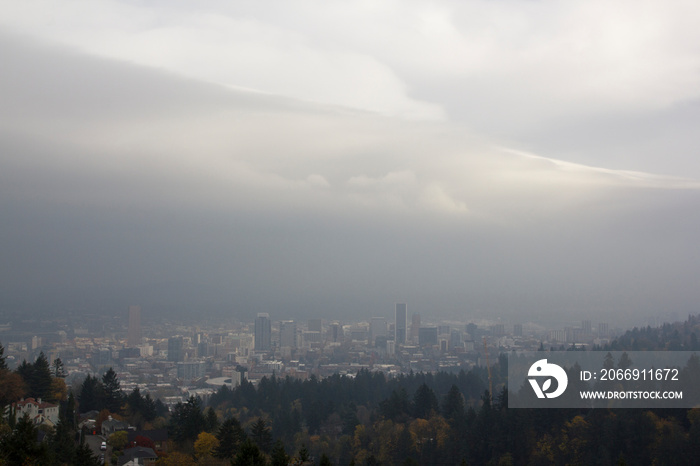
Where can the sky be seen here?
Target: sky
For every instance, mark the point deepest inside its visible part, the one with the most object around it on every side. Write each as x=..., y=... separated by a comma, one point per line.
x=520, y=160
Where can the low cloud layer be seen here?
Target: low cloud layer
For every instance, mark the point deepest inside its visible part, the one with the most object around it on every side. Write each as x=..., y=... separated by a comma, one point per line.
x=122, y=184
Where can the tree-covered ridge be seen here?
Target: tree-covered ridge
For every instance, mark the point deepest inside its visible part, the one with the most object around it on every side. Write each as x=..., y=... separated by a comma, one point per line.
x=678, y=336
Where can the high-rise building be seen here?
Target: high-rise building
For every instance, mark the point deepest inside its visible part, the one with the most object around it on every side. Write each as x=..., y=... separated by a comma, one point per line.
x=415, y=326
x=401, y=318
x=377, y=328
x=428, y=336
x=586, y=327
x=263, y=332
x=518, y=330
x=288, y=334
x=335, y=332
x=134, y=335
x=175, y=349
x=315, y=325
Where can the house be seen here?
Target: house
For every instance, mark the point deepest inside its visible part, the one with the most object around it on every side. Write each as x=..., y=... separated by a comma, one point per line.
x=137, y=456
x=111, y=426
x=158, y=436
x=39, y=412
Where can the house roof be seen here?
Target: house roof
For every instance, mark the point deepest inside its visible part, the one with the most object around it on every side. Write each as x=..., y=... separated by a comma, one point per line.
x=136, y=452
x=157, y=435
x=41, y=404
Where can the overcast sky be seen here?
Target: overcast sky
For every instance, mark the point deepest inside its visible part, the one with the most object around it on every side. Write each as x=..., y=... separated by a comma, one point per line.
x=526, y=160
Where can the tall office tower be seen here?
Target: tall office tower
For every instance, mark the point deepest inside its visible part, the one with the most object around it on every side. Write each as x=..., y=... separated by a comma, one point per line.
x=134, y=325
x=175, y=349
x=315, y=325
x=400, y=317
x=586, y=327
x=263, y=332
x=335, y=332
x=288, y=334
x=603, y=329
x=518, y=330
x=377, y=328
x=415, y=327
x=428, y=336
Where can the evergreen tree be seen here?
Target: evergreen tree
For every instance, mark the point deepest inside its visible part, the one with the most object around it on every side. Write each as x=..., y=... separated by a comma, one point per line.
x=21, y=447
x=260, y=434
x=187, y=420
x=424, y=402
x=279, y=456
x=249, y=455
x=113, y=396
x=84, y=457
x=453, y=405
x=148, y=408
x=62, y=443
x=41, y=381
x=91, y=395
x=37, y=377
x=211, y=421
x=303, y=454
x=3, y=362
x=134, y=402
x=325, y=461
x=230, y=436
x=59, y=369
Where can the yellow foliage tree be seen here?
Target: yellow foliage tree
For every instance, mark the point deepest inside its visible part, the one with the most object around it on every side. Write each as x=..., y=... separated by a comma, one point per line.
x=59, y=391
x=176, y=459
x=205, y=444
x=118, y=440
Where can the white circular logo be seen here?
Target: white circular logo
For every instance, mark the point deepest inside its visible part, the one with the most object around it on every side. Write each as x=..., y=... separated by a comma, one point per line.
x=542, y=369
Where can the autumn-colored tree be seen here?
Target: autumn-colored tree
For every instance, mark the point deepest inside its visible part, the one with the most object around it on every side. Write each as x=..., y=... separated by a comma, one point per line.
x=12, y=387
x=141, y=441
x=205, y=445
x=59, y=390
x=118, y=440
x=176, y=458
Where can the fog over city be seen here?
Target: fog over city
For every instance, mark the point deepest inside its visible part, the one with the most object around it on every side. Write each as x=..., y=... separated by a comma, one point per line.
x=519, y=160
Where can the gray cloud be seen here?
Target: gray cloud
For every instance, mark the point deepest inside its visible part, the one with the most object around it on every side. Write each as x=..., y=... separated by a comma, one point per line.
x=120, y=184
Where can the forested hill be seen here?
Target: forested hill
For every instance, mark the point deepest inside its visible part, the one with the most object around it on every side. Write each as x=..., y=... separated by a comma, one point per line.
x=678, y=336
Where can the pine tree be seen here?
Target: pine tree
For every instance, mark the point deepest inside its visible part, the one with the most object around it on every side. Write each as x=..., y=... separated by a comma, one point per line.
x=21, y=447
x=249, y=455
x=424, y=402
x=279, y=456
x=59, y=369
x=84, y=457
x=113, y=396
x=211, y=421
x=453, y=405
x=91, y=395
x=230, y=436
x=41, y=377
x=3, y=362
x=260, y=434
x=303, y=454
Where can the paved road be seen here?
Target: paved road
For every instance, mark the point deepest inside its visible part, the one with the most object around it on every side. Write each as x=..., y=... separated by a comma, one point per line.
x=94, y=441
